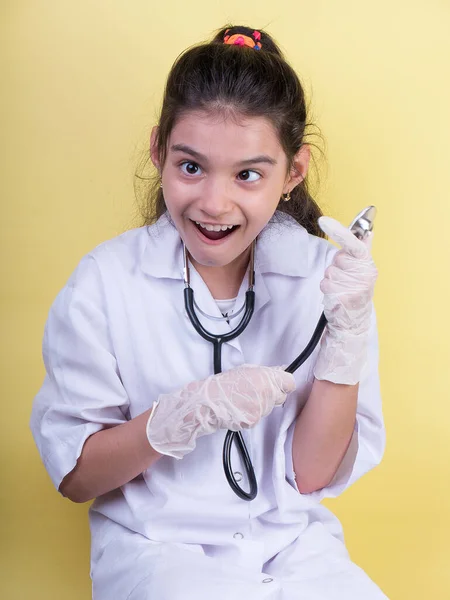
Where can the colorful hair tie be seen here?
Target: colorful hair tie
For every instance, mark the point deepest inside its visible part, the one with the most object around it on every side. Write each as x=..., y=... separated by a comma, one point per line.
x=240, y=39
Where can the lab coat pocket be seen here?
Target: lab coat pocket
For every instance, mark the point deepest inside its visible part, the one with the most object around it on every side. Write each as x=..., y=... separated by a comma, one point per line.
x=124, y=563
x=166, y=579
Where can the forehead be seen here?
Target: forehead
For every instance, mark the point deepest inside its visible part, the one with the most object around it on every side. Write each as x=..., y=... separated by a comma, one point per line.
x=219, y=135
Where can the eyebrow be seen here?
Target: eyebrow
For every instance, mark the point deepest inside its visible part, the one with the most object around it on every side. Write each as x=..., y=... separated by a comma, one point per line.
x=262, y=158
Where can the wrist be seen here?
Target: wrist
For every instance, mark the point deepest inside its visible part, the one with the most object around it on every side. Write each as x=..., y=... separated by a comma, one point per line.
x=164, y=434
x=156, y=436
x=342, y=356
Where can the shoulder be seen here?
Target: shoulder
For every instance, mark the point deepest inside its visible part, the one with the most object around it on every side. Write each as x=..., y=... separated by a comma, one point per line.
x=127, y=254
x=120, y=252
x=285, y=247
x=320, y=252
x=111, y=275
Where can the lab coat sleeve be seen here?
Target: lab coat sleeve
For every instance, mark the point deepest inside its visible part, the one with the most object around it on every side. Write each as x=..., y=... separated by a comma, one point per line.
x=82, y=392
x=367, y=444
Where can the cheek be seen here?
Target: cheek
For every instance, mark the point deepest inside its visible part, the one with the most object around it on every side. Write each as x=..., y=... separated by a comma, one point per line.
x=176, y=196
x=274, y=190
x=266, y=204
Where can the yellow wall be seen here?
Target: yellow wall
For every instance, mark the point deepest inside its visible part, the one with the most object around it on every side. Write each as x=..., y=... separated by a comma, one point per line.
x=81, y=82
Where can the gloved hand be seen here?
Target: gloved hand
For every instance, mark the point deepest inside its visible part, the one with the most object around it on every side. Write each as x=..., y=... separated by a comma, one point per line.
x=236, y=399
x=348, y=289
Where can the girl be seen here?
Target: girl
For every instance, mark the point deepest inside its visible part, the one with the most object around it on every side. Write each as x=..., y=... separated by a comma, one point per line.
x=130, y=412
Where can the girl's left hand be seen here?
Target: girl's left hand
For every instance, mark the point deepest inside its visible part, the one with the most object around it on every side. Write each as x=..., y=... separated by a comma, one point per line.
x=348, y=289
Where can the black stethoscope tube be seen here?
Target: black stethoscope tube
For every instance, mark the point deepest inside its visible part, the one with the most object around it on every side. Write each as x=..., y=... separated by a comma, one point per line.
x=315, y=339
x=217, y=340
x=236, y=435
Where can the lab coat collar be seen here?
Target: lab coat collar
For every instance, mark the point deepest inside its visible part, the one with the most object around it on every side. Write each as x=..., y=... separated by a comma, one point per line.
x=281, y=247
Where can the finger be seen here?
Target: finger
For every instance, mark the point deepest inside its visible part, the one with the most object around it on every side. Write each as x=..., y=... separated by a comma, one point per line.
x=345, y=285
x=344, y=237
x=347, y=262
x=284, y=380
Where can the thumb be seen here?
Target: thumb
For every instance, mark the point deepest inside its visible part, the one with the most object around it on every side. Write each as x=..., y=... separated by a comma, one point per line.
x=285, y=381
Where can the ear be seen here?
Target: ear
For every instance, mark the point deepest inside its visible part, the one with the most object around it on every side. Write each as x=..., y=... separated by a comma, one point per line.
x=154, y=153
x=299, y=169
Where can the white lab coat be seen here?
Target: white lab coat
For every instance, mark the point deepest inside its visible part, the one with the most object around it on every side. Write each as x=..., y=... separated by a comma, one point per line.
x=117, y=337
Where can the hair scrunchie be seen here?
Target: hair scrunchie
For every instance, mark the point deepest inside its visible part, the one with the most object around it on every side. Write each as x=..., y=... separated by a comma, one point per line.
x=242, y=39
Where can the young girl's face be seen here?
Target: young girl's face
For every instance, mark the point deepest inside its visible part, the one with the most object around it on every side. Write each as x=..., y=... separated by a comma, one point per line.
x=222, y=181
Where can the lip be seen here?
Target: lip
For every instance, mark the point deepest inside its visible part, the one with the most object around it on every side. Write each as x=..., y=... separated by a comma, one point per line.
x=204, y=239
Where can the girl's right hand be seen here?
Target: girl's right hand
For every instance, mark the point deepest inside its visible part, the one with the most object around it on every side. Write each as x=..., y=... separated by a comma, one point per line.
x=236, y=399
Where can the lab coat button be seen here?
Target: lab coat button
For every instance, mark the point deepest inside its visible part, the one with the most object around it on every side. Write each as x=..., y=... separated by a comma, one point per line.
x=238, y=536
x=268, y=580
x=237, y=476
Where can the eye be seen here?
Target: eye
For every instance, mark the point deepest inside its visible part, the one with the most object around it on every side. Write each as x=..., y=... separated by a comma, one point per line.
x=247, y=175
x=190, y=168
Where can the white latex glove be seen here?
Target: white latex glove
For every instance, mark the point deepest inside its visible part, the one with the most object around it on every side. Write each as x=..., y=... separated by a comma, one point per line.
x=348, y=289
x=236, y=399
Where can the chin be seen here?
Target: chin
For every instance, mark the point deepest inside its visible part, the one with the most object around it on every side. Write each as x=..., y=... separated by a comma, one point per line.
x=206, y=260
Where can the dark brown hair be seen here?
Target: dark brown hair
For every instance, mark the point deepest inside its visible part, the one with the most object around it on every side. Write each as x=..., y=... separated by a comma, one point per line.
x=241, y=81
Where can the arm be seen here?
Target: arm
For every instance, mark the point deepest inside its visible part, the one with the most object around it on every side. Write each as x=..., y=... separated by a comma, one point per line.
x=110, y=458
x=322, y=434
x=116, y=455
x=339, y=434
x=80, y=418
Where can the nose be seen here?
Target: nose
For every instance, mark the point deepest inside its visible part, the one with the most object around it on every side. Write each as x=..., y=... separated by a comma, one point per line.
x=216, y=201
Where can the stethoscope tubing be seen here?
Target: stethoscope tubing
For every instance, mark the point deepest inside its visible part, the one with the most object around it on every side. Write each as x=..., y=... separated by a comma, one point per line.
x=236, y=436
x=217, y=340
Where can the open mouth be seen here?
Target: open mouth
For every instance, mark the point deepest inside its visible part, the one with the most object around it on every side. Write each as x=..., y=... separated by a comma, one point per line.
x=211, y=233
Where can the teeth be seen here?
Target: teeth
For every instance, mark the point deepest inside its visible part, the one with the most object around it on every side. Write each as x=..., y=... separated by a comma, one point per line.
x=209, y=227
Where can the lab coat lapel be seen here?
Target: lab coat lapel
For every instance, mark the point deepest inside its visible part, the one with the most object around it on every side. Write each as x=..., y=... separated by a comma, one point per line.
x=206, y=302
x=282, y=248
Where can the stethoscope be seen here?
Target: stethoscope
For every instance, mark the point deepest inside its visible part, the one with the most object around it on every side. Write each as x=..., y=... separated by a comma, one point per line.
x=361, y=227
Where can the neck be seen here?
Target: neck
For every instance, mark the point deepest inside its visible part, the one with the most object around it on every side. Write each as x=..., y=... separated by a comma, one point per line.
x=224, y=282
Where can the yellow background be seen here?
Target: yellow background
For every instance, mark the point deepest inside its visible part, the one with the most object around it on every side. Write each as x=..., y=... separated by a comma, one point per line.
x=80, y=87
